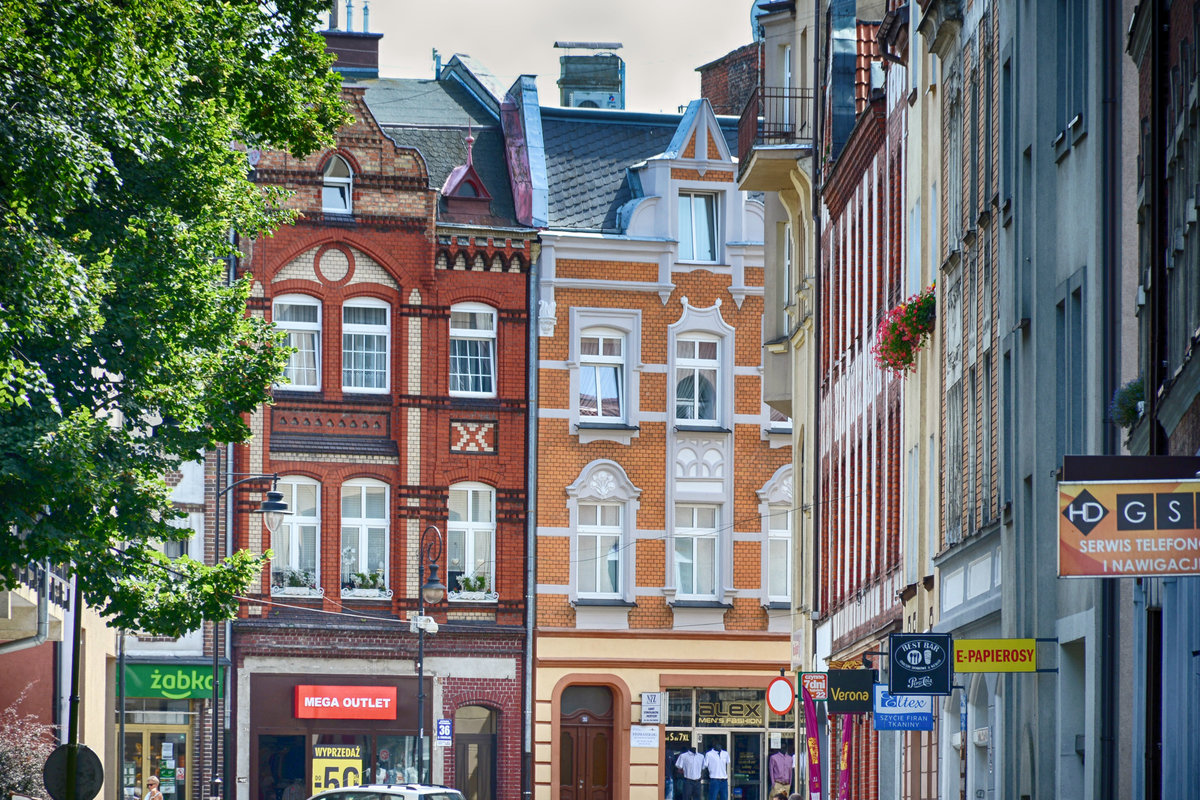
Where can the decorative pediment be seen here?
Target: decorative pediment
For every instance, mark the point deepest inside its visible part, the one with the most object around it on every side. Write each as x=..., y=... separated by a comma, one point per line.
x=603, y=479
x=778, y=490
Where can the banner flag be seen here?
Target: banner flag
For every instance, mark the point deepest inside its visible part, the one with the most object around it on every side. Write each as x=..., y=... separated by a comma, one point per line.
x=844, y=761
x=812, y=745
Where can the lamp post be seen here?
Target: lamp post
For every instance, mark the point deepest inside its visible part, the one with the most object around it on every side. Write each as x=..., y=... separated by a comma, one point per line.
x=273, y=510
x=432, y=592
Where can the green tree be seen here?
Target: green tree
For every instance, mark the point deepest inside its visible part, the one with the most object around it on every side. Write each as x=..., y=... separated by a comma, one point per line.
x=123, y=351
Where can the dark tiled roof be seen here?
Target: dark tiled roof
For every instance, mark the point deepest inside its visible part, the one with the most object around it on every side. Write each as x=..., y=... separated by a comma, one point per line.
x=432, y=117
x=587, y=153
x=331, y=443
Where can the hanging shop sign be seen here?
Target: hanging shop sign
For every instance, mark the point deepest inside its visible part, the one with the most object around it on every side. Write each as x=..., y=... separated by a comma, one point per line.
x=781, y=695
x=850, y=691
x=1113, y=529
x=902, y=712
x=336, y=765
x=995, y=655
x=171, y=681
x=345, y=702
x=816, y=683
x=919, y=663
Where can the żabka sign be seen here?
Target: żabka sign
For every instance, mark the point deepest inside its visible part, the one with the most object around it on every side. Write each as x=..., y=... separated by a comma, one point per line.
x=1113, y=529
x=345, y=702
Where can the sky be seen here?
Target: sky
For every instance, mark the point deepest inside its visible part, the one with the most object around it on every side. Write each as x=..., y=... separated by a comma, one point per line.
x=664, y=40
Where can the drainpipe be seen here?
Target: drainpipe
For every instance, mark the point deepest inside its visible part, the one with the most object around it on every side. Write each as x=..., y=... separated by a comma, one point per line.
x=815, y=437
x=531, y=482
x=43, y=617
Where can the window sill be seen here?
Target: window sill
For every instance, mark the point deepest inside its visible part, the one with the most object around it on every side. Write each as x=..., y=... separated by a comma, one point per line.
x=778, y=605
x=701, y=429
x=621, y=433
x=606, y=426
x=602, y=602
x=366, y=594
x=296, y=391
x=298, y=591
x=699, y=604
x=473, y=597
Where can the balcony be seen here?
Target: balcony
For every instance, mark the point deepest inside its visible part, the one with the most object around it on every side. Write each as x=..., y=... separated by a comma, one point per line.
x=774, y=131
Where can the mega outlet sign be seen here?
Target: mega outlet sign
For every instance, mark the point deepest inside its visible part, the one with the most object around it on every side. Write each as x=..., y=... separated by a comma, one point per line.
x=345, y=702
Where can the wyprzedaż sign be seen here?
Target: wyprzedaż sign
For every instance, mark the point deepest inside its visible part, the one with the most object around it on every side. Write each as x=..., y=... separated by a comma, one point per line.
x=336, y=766
x=995, y=655
x=850, y=691
x=1113, y=529
x=345, y=702
x=903, y=712
x=919, y=663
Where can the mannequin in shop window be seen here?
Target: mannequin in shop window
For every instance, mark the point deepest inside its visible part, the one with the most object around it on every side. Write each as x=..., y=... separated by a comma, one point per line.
x=716, y=763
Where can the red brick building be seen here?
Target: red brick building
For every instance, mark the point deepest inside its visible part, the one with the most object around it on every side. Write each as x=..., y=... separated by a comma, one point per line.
x=404, y=408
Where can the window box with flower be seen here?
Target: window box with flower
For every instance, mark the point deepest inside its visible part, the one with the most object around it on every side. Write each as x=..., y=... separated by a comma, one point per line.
x=295, y=583
x=473, y=589
x=365, y=585
x=904, y=330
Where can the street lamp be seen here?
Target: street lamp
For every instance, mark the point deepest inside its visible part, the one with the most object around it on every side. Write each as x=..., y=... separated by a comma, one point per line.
x=432, y=592
x=273, y=510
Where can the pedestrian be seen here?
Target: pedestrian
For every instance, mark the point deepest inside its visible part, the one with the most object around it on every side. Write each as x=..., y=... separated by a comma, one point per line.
x=689, y=763
x=716, y=761
x=152, y=792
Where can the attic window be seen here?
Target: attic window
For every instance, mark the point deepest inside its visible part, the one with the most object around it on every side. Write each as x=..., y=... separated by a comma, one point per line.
x=466, y=189
x=336, y=193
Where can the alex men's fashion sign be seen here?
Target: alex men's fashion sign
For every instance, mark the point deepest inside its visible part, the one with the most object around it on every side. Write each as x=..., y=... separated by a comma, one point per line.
x=170, y=681
x=345, y=702
x=850, y=691
x=919, y=663
x=995, y=655
x=1110, y=529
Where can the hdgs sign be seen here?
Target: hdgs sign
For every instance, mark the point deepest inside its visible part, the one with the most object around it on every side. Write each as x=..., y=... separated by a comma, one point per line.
x=1110, y=529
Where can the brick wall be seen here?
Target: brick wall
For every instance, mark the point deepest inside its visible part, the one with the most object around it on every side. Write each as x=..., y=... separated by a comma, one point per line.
x=728, y=82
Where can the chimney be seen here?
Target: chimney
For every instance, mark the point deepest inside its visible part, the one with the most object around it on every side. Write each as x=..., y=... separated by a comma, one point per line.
x=357, y=53
x=596, y=80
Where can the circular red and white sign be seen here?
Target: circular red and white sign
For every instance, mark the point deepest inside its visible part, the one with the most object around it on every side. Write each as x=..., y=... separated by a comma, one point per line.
x=781, y=695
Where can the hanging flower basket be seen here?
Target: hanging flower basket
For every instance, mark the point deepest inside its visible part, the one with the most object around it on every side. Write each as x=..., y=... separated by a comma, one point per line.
x=903, y=331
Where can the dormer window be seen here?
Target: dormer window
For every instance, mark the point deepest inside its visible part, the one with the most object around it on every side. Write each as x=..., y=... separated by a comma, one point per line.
x=336, y=193
x=697, y=227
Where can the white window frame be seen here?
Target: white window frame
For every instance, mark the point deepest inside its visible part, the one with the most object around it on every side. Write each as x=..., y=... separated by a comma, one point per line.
x=779, y=534
x=688, y=249
x=360, y=329
x=359, y=527
x=342, y=185
x=289, y=531
x=695, y=364
x=776, y=504
x=604, y=482
x=627, y=323
x=469, y=335
x=292, y=328
x=687, y=529
x=468, y=529
x=593, y=364
x=605, y=556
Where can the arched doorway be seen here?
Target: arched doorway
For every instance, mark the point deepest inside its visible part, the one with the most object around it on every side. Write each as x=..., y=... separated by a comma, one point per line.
x=586, y=743
x=475, y=752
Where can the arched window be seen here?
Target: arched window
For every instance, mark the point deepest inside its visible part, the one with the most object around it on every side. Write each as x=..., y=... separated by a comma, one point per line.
x=337, y=193
x=299, y=317
x=471, y=540
x=365, y=539
x=603, y=506
x=297, y=542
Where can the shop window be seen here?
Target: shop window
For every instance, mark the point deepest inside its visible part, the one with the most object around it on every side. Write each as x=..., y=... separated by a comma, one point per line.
x=337, y=192
x=365, y=335
x=299, y=317
x=364, y=539
x=472, y=350
x=296, y=543
x=470, y=543
x=281, y=766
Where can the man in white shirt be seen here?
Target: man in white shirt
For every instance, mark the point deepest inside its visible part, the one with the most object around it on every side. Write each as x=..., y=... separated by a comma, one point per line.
x=716, y=761
x=689, y=765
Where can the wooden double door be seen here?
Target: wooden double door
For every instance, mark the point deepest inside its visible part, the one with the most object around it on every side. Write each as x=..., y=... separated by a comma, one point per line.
x=585, y=756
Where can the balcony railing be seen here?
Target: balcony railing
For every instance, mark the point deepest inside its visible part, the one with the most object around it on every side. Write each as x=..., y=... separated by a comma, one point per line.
x=60, y=583
x=774, y=116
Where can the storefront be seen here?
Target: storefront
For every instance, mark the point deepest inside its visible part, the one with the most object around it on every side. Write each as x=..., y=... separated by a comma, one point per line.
x=315, y=732
x=736, y=720
x=163, y=707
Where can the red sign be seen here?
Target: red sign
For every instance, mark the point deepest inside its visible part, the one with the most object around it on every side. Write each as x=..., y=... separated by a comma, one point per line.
x=345, y=702
x=817, y=684
x=780, y=695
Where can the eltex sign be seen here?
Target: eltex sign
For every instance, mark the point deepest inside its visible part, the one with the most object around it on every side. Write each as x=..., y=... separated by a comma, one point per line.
x=1110, y=529
x=905, y=712
x=919, y=663
x=345, y=702
x=995, y=655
